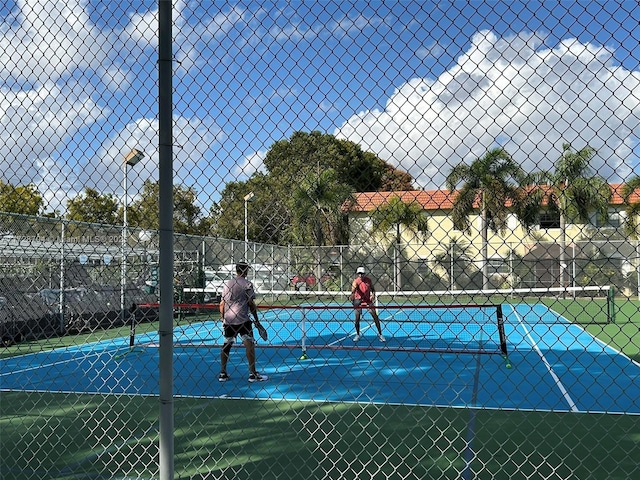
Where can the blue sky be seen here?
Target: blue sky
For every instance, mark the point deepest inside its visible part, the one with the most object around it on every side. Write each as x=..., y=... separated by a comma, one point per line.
x=422, y=84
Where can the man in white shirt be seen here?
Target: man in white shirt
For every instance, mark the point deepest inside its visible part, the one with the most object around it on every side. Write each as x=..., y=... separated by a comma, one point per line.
x=238, y=299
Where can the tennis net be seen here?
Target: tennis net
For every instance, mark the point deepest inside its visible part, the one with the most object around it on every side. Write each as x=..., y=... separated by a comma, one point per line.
x=469, y=328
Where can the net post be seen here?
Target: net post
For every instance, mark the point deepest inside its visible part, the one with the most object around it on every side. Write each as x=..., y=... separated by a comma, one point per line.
x=303, y=334
x=503, y=337
x=132, y=330
x=611, y=304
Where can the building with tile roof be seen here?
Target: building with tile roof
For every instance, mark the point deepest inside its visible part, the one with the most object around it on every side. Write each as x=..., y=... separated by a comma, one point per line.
x=541, y=243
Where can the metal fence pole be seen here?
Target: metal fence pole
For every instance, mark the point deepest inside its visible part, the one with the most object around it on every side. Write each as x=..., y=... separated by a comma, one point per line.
x=165, y=86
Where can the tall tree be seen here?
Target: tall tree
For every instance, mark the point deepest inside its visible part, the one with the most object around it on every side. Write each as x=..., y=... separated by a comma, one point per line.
x=572, y=191
x=288, y=163
x=491, y=182
x=316, y=212
x=394, y=215
x=22, y=199
x=93, y=207
x=143, y=212
x=457, y=263
x=305, y=152
x=268, y=214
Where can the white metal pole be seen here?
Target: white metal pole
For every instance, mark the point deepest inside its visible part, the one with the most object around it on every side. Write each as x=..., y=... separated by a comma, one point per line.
x=638, y=265
x=123, y=263
x=246, y=230
x=62, y=279
x=573, y=268
x=451, y=271
x=247, y=198
x=341, y=266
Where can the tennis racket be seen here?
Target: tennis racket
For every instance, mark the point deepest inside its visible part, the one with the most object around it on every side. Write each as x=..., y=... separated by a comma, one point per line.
x=261, y=331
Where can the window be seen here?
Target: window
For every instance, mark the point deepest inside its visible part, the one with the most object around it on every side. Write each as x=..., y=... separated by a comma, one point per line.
x=614, y=220
x=549, y=220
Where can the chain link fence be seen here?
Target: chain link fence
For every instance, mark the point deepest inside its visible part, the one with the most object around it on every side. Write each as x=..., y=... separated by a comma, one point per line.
x=478, y=159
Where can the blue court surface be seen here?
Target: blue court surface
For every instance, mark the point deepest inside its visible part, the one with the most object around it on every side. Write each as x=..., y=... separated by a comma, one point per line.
x=555, y=366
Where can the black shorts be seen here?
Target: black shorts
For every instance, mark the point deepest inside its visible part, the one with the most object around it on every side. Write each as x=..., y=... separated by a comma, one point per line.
x=361, y=303
x=243, y=330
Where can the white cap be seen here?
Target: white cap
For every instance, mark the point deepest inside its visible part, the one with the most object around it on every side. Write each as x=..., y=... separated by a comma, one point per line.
x=360, y=270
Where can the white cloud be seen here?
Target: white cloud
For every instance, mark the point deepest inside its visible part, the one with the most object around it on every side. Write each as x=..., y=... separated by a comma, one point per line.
x=45, y=103
x=34, y=53
x=513, y=93
x=193, y=143
x=34, y=125
x=251, y=164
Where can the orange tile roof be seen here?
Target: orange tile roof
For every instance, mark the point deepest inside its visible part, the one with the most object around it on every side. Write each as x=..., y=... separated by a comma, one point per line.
x=428, y=199
x=441, y=199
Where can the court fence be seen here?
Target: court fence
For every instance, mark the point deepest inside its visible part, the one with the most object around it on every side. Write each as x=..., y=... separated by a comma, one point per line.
x=60, y=277
x=142, y=140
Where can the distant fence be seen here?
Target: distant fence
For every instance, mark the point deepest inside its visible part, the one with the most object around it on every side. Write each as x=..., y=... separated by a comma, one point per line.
x=59, y=277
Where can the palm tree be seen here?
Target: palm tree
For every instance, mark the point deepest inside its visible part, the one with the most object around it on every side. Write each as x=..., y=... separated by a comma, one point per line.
x=456, y=263
x=491, y=182
x=632, y=208
x=392, y=216
x=572, y=191
x=316, y=210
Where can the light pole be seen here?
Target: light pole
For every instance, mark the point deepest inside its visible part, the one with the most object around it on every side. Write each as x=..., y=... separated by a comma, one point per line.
x=130, y=159
x=247, y=198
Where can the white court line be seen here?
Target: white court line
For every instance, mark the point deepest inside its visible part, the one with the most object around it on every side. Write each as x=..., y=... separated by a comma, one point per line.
x=563, y=390
x=53, y=364
x=605, y=345
x=344, y=338
x=361, y=331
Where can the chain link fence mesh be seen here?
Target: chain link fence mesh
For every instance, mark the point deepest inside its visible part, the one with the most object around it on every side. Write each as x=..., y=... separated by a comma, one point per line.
x=470, y=155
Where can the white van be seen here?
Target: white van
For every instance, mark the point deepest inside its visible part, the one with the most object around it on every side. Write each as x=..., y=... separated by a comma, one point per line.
x=263, y=277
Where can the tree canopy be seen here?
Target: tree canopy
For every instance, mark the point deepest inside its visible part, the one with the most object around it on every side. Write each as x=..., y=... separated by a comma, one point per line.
x=22, y=199
x=93, y=207
x=143, y=212
x=307, y=174
x=632, y=207
x=396, y=214
x=492, y=181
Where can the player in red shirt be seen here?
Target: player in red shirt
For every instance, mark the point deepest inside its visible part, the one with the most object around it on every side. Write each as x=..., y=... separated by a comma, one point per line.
x=363, y=296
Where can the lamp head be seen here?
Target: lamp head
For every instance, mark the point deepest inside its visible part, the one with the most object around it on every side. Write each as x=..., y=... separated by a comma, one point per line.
x=133, y=157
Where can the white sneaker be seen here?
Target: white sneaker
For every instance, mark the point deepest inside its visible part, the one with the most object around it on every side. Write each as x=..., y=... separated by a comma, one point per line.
x=381, y=337
x=356, y=337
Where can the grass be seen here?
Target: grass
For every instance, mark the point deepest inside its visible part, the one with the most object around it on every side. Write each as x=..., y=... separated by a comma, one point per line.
x=87, y=436
x=623, y=335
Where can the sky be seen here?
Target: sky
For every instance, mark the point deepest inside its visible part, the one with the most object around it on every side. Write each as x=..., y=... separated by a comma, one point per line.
x=424, y=85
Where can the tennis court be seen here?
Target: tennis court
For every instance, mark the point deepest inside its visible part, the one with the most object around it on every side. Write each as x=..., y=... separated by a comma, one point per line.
x=555, y=365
